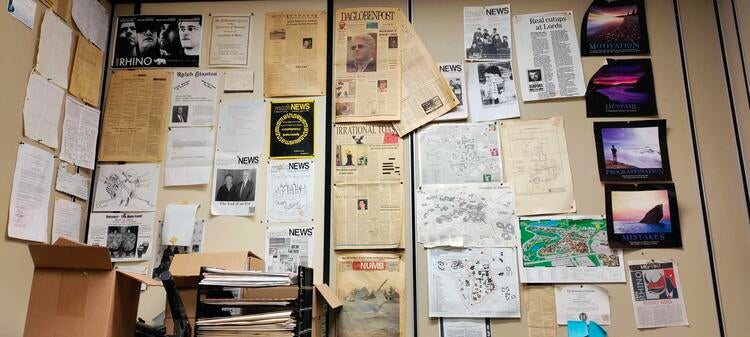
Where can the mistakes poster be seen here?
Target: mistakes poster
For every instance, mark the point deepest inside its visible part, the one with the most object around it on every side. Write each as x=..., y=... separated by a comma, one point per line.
x=642, y=216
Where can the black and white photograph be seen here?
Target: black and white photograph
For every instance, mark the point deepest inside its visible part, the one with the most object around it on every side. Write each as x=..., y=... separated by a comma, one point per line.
x=180, y=113
x=150, y=41
x=122, y=240
x=487, y=33
x=535, y=75
x=453, y=72
x=362, y=54
x=632, y=151
x=127, y=236
x=235, y=184
x=492, y=91
x=307, y=43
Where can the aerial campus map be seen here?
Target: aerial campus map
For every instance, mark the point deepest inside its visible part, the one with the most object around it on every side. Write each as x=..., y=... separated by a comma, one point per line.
x=566, y=242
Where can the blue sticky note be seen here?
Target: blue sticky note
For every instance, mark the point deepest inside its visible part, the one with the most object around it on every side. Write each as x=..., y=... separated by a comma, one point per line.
x=595, y=330
x=577, y=329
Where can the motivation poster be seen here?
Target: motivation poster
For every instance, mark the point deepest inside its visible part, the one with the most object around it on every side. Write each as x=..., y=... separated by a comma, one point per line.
x=622, y=88
x=632, y=151
x=150, y=41
x=614, y=28
x=292, y=127
x=642, y=216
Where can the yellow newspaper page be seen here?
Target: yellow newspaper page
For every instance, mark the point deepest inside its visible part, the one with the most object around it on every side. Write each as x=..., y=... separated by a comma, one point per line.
x=86, y=77
x=371, y=286
x=425, y=94
x=295, y=54
x=367, y=69
x=133, y=127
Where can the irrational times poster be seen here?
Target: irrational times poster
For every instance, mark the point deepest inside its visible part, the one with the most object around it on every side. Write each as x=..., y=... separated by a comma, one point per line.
x=614, y=28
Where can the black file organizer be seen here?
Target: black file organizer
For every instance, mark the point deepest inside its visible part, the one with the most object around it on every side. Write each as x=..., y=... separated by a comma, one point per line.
x=301, y=306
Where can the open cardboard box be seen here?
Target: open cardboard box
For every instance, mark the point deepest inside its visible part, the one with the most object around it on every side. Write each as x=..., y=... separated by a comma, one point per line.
x=76, y=292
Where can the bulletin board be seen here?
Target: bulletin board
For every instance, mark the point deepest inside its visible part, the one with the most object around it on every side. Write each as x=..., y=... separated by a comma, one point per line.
x=234, y=233
x=439, y=23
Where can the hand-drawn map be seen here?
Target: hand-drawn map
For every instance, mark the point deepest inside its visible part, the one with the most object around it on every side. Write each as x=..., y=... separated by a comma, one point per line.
x=470, y=215
x=459, y=153
x=473, y=282
x=567, y=249
x=126, y=188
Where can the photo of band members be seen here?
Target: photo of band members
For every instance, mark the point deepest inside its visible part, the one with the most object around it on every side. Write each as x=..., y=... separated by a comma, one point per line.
x=158, y=41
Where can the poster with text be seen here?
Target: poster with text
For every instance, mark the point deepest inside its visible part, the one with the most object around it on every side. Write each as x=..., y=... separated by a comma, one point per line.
x=292, y=129
x=150, y=41
x=642, y=216
x=632, y=151
x=622, y=88
x=614, y=27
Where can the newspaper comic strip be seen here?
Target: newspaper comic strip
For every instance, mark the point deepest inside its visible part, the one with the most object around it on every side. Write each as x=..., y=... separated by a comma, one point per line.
x=367, y=70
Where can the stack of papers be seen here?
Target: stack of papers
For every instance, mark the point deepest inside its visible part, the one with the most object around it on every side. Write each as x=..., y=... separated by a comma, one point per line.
x=275, y=324
x=233, y=278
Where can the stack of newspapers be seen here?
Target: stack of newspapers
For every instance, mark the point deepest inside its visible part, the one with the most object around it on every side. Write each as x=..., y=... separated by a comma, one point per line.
x=272, y=324
x=240, y=303
x=249, y=279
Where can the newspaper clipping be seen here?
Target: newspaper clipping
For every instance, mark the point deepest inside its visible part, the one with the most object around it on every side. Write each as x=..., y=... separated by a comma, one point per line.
x=238, y=148
x=126, y=235
x=549, y=61
x=371, y=287
x=194, y=98
x=657, y=294
x=368, y=187
x=487, y=33
x=133, y=125
x=292, y=125
x=473, y=282
x=425, y=94
x=230, y=40
x=368, y=215
x=367, y=152
x=148, y=41
x=288, y=247
x=295, y=54
x=290, y=190
x=454, y=74
x=367, y=71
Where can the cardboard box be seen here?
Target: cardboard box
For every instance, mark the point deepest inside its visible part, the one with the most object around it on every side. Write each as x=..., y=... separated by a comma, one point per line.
x=186, y=268
x=75, y=292
x=325, y=307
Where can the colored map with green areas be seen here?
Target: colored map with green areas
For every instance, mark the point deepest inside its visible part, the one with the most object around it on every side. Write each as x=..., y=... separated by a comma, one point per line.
x=566, y=242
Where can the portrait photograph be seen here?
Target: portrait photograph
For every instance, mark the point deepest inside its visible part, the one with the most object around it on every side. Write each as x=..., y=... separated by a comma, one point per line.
x=150, y=41
x=362, y=53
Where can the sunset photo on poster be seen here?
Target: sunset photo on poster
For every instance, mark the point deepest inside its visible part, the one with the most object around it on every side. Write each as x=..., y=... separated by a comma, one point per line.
x=622, y=88
x=641, y=212
x=614, y=28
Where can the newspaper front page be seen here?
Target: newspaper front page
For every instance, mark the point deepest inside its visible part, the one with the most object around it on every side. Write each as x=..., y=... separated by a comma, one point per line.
x=425, y=94
x=371, y=287
x=288, y=247
x=549, y=61
x=194, y=98
x=368, y=188
x=657, y=294
x=294, y=57
x=133, y=126
x=367, y=70
x=487, y=33
x=128, y=236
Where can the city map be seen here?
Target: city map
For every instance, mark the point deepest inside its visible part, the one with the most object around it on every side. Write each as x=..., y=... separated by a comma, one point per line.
x=472, y=215
x=567, y=249
x=459, y=153
x=473, y=282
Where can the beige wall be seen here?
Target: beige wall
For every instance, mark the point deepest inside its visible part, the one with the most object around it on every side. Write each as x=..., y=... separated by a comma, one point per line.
x=16, y=63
